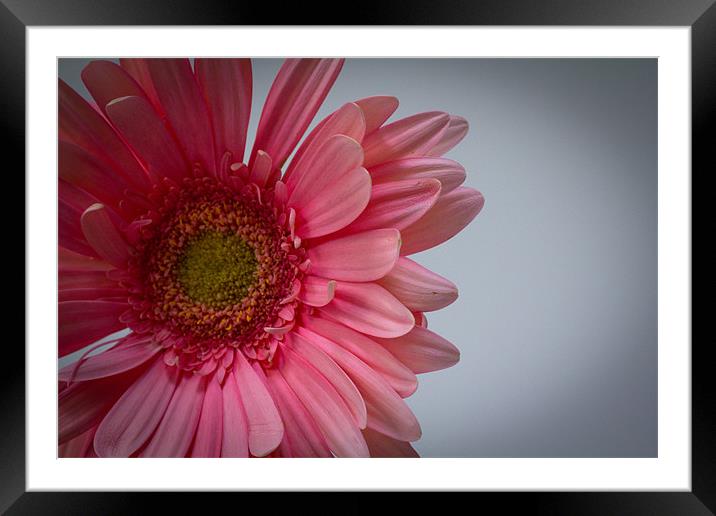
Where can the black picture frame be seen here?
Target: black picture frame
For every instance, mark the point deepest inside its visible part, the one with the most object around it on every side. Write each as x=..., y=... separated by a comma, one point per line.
x=17, y=15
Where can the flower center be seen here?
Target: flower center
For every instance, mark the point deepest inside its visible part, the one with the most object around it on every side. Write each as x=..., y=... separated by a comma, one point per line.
x=216, y=266
x=217, y=269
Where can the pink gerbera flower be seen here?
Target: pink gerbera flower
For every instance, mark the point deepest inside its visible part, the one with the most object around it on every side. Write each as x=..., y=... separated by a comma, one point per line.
x=272, y=309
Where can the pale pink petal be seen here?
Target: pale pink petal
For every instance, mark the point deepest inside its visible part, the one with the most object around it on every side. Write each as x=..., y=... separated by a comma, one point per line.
x=103, y=236
x=320, y=168
x=302, y=437
x=387, y=412
x=264, y=422
x=317, y=291
x=145, y=132
x=226, y=84
x=348, y=121
x=82, y=405
x=381, y=445
x=325, y=405
x=418, y=288
x=132, y=420
x=377, y=110
x=364, y=256
x=82, y=322
x=331, y=372
x=397, y=204
x=411, y=136
x=235, y=441
x=130, y=352
x=107, y=81
x=82, y=125
x=402, y=379
x=185, y=108
x=422, y=350
x=297, y=93
x=329, y=189
x=450, y=214
x=207, y=442
x=450, y=173
x=456, y=131
x=336, y=206
x=369, y=308
x=176, y=429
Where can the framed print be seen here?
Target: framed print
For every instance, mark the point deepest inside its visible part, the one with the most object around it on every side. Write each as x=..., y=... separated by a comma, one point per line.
x=447, y=251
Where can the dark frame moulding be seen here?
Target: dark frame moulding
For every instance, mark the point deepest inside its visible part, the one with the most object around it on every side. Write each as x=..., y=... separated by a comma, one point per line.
x=700, y=15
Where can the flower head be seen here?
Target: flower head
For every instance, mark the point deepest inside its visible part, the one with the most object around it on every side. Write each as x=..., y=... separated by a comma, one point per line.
x=271, y=308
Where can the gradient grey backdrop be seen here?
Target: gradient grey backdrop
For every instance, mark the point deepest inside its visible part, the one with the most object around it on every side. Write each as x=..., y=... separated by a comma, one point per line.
x=557, y=315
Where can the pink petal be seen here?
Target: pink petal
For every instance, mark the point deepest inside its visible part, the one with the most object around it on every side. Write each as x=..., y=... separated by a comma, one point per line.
x=103, y=236
x=82, y=405
x=132, y=420
x=302, y=438
x=317, y=291
x=207, y=442
x=450, y=214
x=82, y=170
x=69, y=229
x=411, y=136
x=226, y=84
x=82, y=125
x=107, y=81
x=387, y=412
x=456, y=131
x=235, y=442
x=348, y=121
x=377, y=110
x=381, y=445
x=82, y=322
x=328, y=188
x=401, y=378
x=450, y=173
x=306, y=347
x=147, y=134
x=130, y=352
x=185, y=108
x=73, y=280
x=422, y=350
x=261, y=170
x=397, y=204
x=91, y=294
x=176, y=429
x=297, y=93
x=325, y=405
x=74, y=262
x=79, y=447
x=369, y=308
x=418, y=288
x=363, y=256
x=420, y=319
x=264, y=421
x=335, y=207
x=139, y=70
x=320, y=168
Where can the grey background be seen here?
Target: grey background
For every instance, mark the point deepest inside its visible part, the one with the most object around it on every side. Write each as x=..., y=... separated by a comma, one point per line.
x=557, y=315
